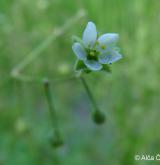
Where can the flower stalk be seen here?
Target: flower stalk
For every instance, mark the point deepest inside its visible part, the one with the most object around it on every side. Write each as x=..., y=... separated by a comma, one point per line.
x=89, y=92
x=98, y=116
x=57, y=139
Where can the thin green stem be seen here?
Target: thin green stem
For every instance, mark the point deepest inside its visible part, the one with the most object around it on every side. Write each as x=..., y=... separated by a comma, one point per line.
x=33, y=79
x=89, y=93
x=98, y=116
x=57, y=138
x=34, y=54
x=50, y=102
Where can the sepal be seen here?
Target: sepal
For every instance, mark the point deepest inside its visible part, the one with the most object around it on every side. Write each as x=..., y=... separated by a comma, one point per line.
x=106, y=68
x=77, y=39
x=79, y=65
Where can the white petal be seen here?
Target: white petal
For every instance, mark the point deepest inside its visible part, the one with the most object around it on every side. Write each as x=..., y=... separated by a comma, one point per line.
x=104, y=58
x=108, y=39
x=89, y=34
x=116, y=57
x=79, y=51
x=109, y=57
x=93, y=65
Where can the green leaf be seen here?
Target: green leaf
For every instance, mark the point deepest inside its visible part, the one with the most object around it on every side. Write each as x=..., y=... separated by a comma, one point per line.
x=106, y=68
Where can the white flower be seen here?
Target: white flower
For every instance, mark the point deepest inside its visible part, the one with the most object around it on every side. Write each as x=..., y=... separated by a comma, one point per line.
x=94, y=51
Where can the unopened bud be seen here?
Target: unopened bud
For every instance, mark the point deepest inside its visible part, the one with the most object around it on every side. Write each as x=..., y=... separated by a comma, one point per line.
x=98, y=117
x=56, y=141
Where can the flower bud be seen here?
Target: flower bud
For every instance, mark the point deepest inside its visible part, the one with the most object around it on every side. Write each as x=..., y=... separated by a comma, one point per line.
x=98, y=117
x=56, y=142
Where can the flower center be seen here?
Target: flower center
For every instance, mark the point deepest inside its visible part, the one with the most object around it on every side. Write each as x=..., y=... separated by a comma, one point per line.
x=92, y=55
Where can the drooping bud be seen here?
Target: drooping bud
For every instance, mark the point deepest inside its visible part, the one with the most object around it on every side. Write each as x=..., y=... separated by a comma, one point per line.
x=56, y=140
x=98, y=117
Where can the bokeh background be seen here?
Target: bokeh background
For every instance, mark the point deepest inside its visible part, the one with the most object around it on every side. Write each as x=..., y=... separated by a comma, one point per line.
x=130, y=96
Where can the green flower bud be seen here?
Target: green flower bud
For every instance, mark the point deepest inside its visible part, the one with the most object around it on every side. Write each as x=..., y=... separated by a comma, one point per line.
x=98, y=117
x=57, y=142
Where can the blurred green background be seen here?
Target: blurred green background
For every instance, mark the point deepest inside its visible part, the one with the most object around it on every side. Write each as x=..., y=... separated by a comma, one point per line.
x=130, y=96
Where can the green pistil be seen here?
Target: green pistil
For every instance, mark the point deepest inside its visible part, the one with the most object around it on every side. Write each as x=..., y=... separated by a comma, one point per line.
x=92, y=55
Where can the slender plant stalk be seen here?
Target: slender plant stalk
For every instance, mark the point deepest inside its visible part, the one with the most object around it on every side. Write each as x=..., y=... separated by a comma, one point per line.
x=34, y=54
x=57, y=137
x=89, y=93
x=98, y=116
x=33, y=79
